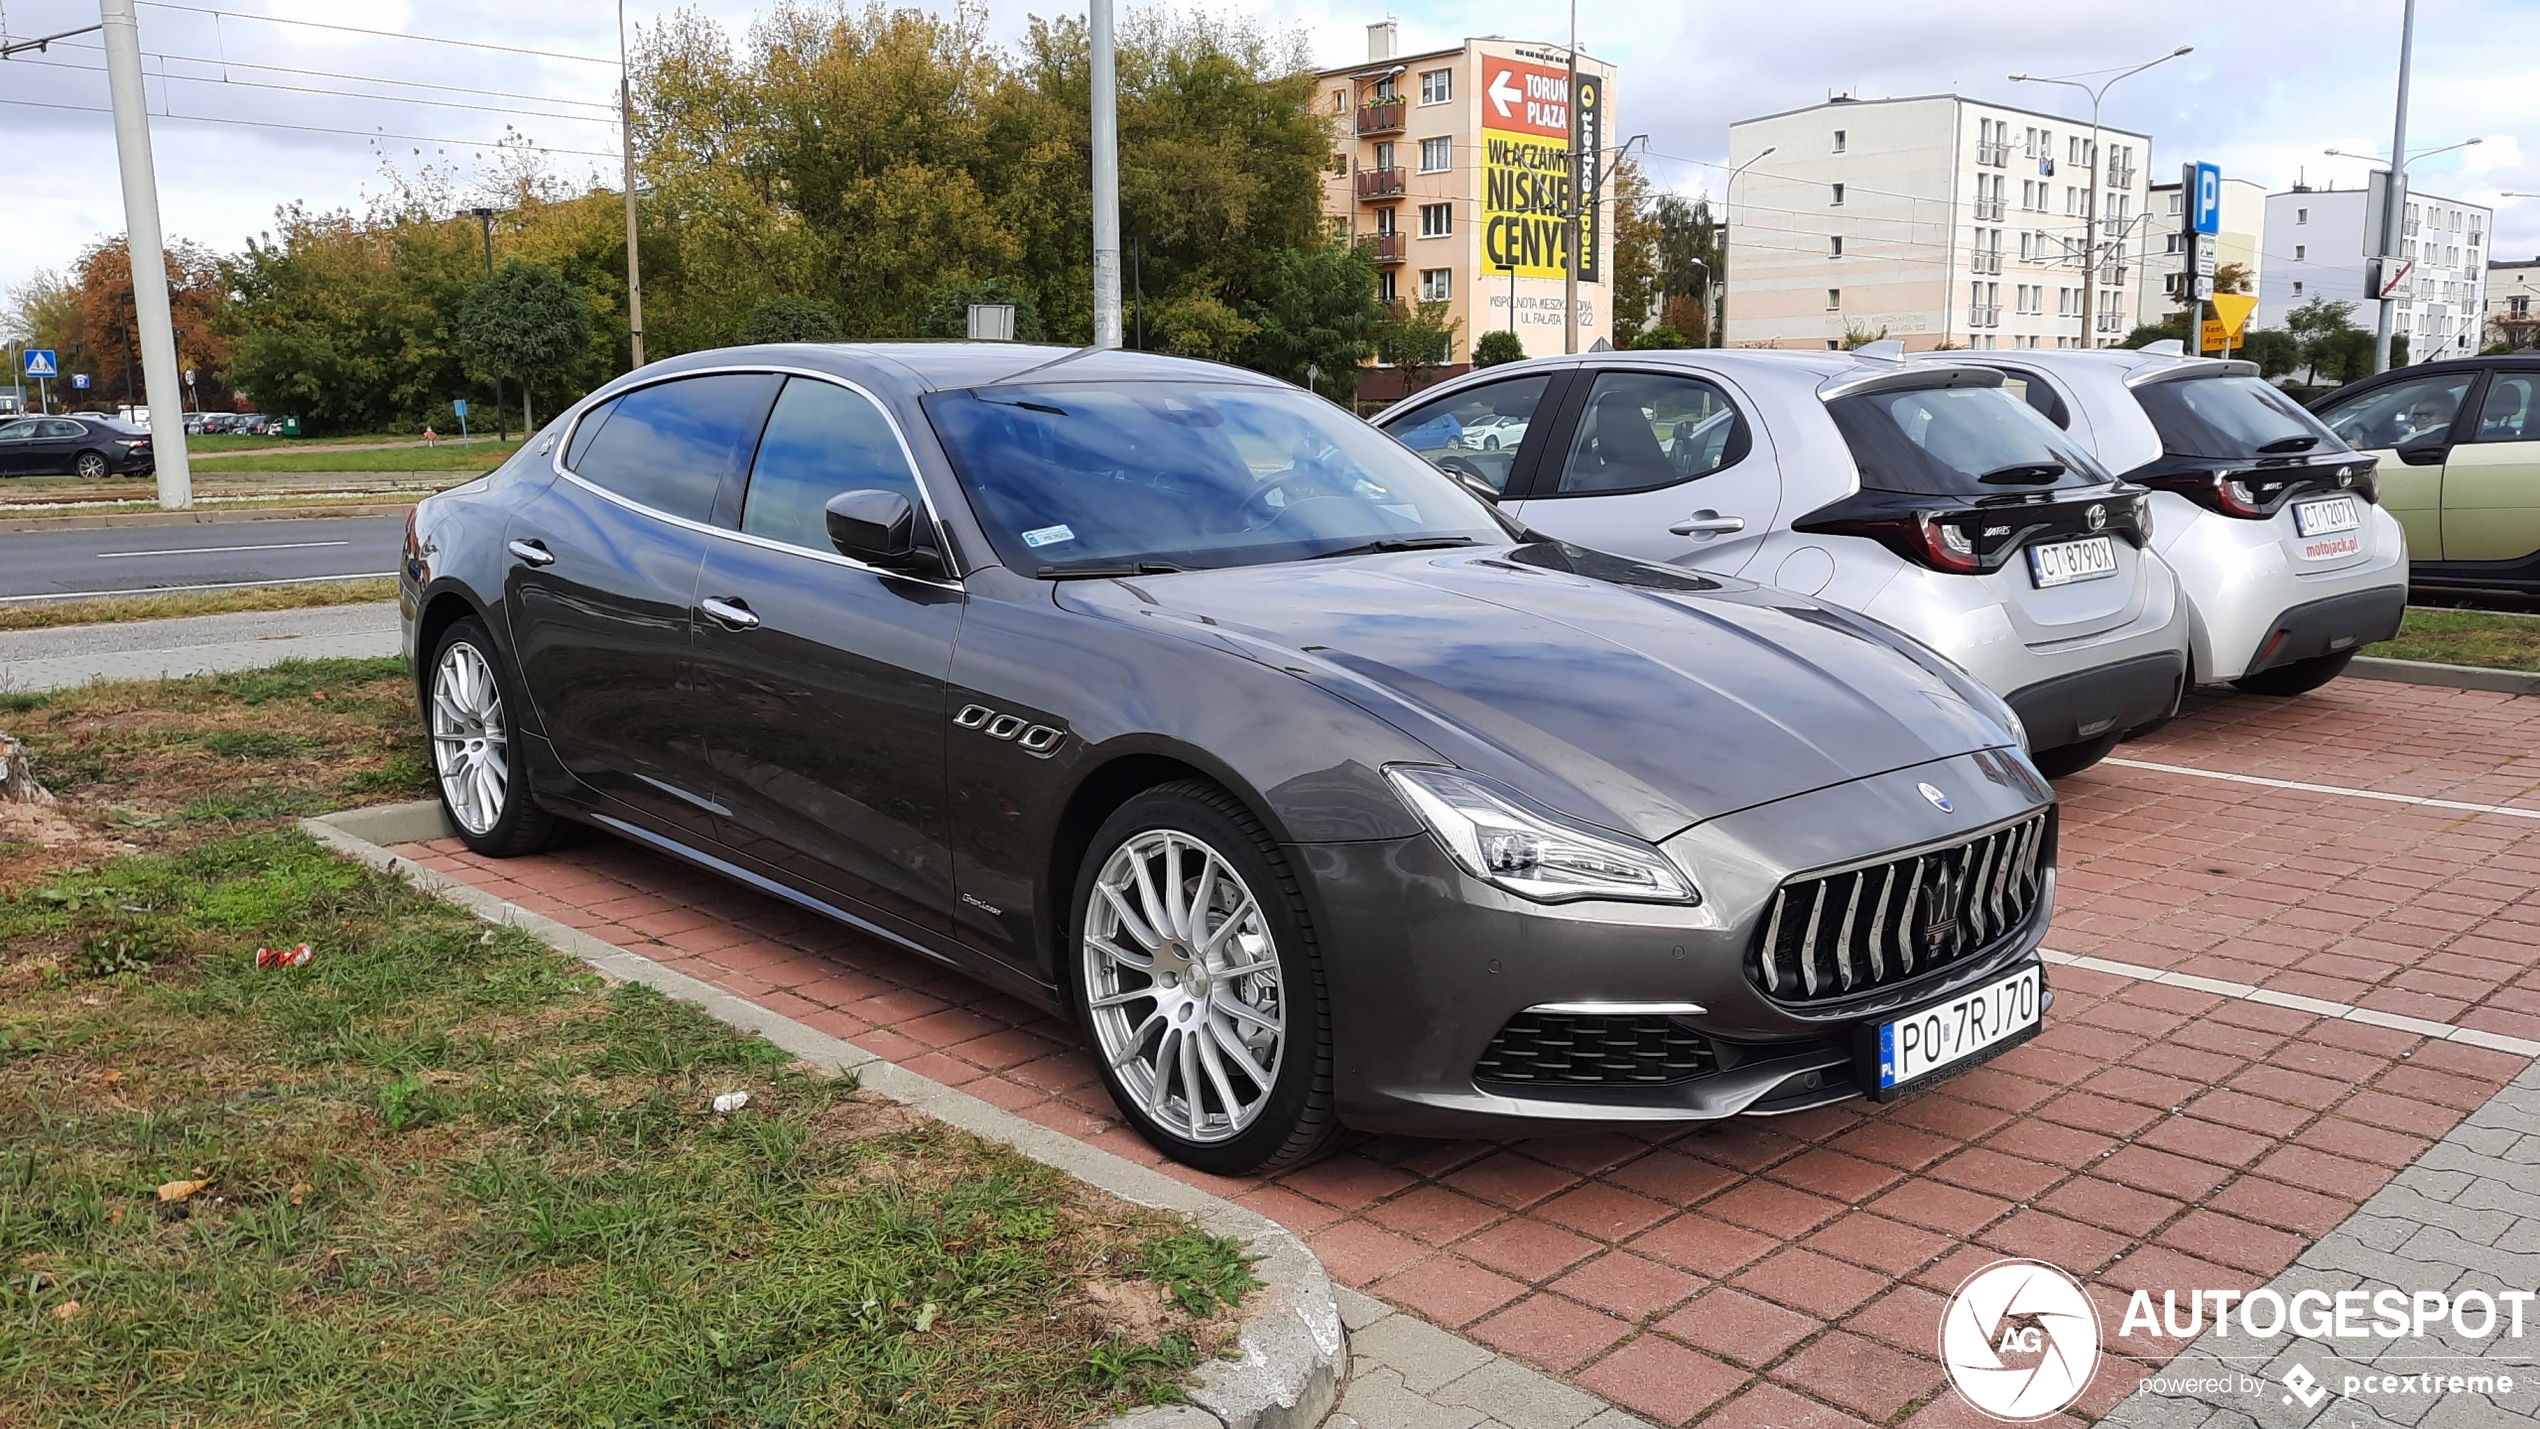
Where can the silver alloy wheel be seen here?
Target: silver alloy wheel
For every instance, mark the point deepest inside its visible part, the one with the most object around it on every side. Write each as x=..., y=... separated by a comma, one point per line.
x=471, y=749
x=1183, y=987
x=91, y=466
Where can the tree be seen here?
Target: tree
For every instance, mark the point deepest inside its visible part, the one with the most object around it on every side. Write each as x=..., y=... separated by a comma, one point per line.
x=1417, y=338
x=948, y=310
x=1497, y=346
x=109, y=321
x=1635, y=292
x=1688, y=254
x=1199, y=326
x=1859, y=335
x=2275, y=351
x=1659, y=339
x=523, y=320
x=1320, y=312
x=2171, y=327
x=786, y=318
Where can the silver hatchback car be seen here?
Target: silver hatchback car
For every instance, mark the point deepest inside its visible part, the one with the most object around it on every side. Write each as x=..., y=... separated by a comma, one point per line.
x=2274, y=525
x=1923, y=495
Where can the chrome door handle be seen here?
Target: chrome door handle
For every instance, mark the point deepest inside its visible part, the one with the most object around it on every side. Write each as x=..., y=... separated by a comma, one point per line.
x=533, y=552
x=732, y=614
x=1708, y=523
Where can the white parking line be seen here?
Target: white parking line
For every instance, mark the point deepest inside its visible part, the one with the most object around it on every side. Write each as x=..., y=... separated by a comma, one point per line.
x=221, y=550
x=2316, y=1006
x=184, y=589
x=2338, y=789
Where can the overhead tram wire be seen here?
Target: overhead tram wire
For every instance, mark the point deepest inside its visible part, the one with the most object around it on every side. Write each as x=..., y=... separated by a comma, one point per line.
x=610, y=63
x=164, y=77
x=324, y=129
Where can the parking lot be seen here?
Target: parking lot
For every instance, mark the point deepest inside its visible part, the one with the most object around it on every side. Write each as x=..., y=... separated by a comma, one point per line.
x=2344, y=880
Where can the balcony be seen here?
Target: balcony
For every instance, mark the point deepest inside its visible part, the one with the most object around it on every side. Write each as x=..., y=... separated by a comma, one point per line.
x=1987, y=316
x=1988, y=210
x=1381, y=118
x=1385, y=247
x=1379, y=183
x=1985, y=260
x=2121, y=178
x=1997, y=155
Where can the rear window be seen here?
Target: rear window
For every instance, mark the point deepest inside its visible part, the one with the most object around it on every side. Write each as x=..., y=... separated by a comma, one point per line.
x=2233, y=418
x=669, y=445
x=1957, y=441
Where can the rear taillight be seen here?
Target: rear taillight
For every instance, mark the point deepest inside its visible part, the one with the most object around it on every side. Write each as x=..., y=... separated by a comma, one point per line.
x=1949, y=545
x=1971, y=540
x=2257, y=493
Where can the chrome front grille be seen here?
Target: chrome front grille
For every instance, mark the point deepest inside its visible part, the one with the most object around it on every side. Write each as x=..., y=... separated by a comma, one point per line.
x=1840, y=934
x=1554, y=1049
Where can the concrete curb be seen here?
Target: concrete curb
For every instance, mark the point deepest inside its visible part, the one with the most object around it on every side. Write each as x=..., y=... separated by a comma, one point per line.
x=2453, y=677
x=1293, y=1347
x=200, y=516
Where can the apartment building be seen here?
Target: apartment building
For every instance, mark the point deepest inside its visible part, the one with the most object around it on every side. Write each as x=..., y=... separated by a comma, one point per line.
x=1453, y=166
x=2513, y=303
x=2165, y=285
x=2316, y=247
x=1936, y=219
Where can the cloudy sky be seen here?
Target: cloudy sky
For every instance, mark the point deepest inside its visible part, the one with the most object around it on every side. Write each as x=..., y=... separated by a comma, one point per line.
x=2272, y=83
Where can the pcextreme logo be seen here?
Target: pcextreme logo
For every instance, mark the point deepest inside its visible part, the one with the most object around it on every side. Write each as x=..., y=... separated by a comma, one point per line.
x=2020, y=1339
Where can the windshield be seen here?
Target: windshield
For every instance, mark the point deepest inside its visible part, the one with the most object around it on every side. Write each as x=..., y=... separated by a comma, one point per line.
x=1957, y=441
x=2234, y=418
x=1187, y=475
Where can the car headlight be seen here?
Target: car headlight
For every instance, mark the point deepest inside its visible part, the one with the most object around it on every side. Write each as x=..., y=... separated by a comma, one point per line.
x=1534, y=853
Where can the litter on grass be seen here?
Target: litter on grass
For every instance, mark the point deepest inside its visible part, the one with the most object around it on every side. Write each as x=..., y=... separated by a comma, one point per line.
x=295, y=957
x=731, y=1102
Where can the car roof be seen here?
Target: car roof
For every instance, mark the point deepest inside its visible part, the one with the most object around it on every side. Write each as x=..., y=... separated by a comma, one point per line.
x=944, y=365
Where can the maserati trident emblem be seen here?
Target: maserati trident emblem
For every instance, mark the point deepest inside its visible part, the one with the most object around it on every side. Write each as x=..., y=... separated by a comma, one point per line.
x=1938, y=800
x=1940, y=912
x=2098, y=517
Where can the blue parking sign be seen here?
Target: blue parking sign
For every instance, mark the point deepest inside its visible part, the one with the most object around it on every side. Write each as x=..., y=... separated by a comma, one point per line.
x=79, y=380
x=2207, y=212
x=40, y=363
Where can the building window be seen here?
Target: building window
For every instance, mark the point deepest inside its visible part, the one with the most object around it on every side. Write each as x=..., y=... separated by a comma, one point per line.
x=2178, y=204
x=1834, y=246
x=2301, y=252
x=2301, y=215
x=1386, y=290
x=1384, y=155
x=1838, y=194
x=1437, y=86
x=1340, y=101
x=1834, y=300
x=1436, y=284
x=1385, y=219
x=1838, y=141
x=1437, y=220
x=2297, y=287
x=1385, y=91
x=1436, y=155
x=1340, y=164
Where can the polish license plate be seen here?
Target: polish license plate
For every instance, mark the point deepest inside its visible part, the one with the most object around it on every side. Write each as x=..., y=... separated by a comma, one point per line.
x=2064, y=562
x=2319, y=518
x=1932, y=1039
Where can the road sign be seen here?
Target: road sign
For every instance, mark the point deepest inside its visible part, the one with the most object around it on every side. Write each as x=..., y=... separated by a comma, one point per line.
x=40, y=363
x=461, y=407
x=2393, y=277
x=2204, y=286
x=2231, y=315
x=2205, y=206
x=79, y=381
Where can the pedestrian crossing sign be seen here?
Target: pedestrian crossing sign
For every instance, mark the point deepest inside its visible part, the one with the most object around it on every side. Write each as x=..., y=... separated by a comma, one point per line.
x=40, y=363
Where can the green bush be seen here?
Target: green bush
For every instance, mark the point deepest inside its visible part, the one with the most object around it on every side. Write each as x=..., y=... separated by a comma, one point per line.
x=1500, y=345
x=787, y=318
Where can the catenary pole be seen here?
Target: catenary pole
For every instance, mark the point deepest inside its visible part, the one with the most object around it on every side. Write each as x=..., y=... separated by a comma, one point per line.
x=1578, y=171
x=634, y=264
x=1106, y=143
x=2395, y=205
x=148, y=251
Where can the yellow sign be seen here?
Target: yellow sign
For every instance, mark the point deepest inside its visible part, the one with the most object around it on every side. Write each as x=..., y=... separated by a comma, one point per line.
x=2231, y=313
x=1525, y=182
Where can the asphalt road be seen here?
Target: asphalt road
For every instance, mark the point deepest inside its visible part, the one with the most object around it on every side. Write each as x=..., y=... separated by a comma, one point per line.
x=70, y=655
x=124, y=559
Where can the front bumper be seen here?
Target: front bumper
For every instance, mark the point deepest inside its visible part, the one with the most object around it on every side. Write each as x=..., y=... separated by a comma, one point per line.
x=1425, y=966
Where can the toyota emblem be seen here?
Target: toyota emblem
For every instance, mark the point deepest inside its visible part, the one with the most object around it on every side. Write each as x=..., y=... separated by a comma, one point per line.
x=1938, y=799
x=2098, y=517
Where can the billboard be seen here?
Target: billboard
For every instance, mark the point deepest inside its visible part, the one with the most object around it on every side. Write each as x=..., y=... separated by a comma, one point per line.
x=1527, y=120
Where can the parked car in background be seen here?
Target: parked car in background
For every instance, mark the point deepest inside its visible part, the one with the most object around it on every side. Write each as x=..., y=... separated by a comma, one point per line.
x=91, y=447
x=2459, y=450
x=1924, y=496
x=2273, y=525
x=1168, y=697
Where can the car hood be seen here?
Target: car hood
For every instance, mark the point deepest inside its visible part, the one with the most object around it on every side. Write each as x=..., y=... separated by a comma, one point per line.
x=1640, y=697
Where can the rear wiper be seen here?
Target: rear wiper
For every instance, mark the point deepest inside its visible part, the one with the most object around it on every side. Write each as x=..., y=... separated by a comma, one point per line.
x=1397, y=543
x=2035, y=473
x=1106, y=570
x=2288, y=444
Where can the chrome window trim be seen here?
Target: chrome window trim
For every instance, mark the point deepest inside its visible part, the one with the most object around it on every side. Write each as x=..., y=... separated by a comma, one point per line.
x=934, y=518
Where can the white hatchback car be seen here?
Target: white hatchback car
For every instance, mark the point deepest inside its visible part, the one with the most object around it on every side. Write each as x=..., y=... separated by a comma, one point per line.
x=1922, y=495
x=2273, y=524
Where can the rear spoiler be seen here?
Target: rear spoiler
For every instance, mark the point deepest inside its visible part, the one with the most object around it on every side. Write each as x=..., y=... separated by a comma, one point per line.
x=2192, y=367
x=1918, y=376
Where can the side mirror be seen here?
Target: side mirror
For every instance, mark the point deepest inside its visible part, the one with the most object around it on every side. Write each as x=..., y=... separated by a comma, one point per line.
x=877, y=528
x=1470, y=477
x=2426, y=449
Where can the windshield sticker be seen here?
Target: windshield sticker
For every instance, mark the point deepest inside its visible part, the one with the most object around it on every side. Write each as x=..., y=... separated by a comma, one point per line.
x=1047, y=536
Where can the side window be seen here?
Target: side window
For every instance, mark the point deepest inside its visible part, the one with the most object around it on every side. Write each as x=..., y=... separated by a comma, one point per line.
x=2387, y=417
x=669, y=446
x=2506, y=416
x=2038, y=393
x=61, y=429
x=17, y=431
x=1478, y=431
x=591, y=423
x=822, y=440
x=1642, y=430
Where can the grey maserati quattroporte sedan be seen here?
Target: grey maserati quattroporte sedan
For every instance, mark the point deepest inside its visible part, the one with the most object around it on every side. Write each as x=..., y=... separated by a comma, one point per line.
x=1181, y=702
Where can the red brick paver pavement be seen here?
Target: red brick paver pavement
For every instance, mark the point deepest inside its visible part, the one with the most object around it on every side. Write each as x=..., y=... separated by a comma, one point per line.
x=1791, y=1270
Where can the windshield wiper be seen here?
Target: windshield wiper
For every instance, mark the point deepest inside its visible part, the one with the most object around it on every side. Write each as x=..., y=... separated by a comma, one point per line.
x=2288, y=444
x=2034, y=473
x=1106, y=570
x=1397, y=543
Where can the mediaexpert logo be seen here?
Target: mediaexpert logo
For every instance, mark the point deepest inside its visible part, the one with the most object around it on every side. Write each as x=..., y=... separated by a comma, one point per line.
x=2020, y=1339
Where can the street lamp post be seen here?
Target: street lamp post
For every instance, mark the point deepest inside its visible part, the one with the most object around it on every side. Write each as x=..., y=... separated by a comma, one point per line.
x=1720, y=247
x=634, y=267
x=485, y=220
x=2090, y=200
x=2394, y=210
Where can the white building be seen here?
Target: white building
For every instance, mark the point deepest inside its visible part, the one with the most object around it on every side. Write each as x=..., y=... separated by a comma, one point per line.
x=1936, y=219
x=2242, y=239
x=2513, y=302
x=2316, y=246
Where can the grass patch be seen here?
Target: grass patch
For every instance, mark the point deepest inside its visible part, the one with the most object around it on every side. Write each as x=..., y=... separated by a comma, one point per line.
x=442, y=1174
x=2464, y=637
x=39, y=615
x=449, y=456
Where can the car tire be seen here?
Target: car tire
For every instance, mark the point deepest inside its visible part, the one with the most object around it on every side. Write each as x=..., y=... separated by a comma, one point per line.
x=1490, y=444
x=482, y=785
x=2069, y=759
x=89, y=466
x=1187, y=1072
x=2298, y=678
